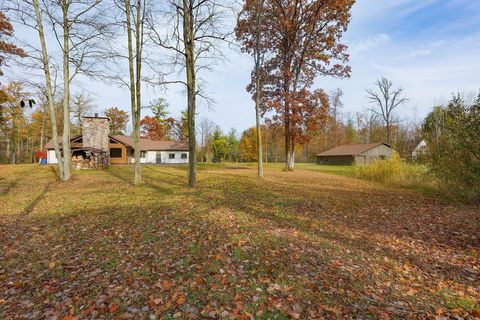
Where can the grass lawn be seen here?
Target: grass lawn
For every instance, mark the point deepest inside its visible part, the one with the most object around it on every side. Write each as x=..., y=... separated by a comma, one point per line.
x=304, y=244
x=340, y=170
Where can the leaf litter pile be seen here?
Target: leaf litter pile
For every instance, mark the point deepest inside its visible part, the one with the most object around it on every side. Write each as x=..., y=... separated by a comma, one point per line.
x=300, y=245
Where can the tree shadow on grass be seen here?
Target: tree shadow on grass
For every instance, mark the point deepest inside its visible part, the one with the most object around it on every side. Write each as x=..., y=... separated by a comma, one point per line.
x=147, y=181
x=8, y=185
x=31, y=206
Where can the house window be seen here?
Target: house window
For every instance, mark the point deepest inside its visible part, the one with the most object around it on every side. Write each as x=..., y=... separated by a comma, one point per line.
x=184, y=156
x=115, y=152
x=143, y=154
x=171, y=156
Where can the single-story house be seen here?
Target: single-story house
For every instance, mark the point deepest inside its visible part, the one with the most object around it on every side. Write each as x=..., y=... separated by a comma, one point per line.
x=350, y=154
x=119, y=148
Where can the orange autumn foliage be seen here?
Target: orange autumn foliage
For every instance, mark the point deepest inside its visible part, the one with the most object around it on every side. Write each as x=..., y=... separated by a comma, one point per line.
x=300, y=40
x=152, y=128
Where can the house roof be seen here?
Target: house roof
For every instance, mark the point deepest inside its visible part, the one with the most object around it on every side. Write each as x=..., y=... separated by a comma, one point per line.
x=145, y=144
x=49, y=144
x=351, y=149
x=153, y=145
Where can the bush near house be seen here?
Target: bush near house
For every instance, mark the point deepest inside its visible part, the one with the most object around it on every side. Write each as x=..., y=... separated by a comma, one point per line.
x=395, y=172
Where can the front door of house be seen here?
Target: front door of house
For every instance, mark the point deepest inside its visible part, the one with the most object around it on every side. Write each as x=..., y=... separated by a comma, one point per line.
x=158, y=158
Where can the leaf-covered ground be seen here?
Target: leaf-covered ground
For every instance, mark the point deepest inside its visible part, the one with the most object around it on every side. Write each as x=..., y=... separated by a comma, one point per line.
x=303, y=245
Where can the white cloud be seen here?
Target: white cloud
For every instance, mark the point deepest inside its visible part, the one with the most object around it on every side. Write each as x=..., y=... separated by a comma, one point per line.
x=418, y=53
x=369, y=42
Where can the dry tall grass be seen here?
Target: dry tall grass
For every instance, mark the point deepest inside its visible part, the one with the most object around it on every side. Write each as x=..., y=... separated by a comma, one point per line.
x=395, y=172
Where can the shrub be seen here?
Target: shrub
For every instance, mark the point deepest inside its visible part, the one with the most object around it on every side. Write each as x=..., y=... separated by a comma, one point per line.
x=394, y=172
x=453, y=138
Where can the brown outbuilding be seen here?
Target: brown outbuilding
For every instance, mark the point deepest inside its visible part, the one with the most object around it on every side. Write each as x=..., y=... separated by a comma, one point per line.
x=350, y=154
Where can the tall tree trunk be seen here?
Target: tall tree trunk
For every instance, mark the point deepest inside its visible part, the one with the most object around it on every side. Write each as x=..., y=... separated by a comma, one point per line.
x=188, y=36
x=17, y=149
x=266, y=145
x=388, y=131
x=258, y=56
x=14, y=153
x=13, y=160
x=291, y=154
x=289, y=147
x=133, y=96
x=8, y=149
x=42, y=131
x=287, y=140
x=258, y=126
x=66, y=94
x=138, y=60
x=48, y=85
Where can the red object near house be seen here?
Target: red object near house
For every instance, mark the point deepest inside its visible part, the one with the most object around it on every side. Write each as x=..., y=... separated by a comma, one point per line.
x=41, y=154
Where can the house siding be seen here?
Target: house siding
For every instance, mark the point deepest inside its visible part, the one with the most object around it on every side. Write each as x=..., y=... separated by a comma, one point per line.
x=379, y=152
x=178, y=157
x=151, y=157
x=121, y=160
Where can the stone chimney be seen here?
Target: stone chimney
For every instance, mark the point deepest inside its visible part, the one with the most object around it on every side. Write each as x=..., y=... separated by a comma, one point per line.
x=95, y=131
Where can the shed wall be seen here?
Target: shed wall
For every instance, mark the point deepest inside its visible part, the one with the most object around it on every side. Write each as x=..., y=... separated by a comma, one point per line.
x=379, y=152
x=336, y=160
x=360, y=160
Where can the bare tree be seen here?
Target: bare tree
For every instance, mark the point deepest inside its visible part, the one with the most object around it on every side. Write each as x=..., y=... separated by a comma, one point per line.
x=135, y=74
x=335, y=105
x=76, y=26
x=194, y=29
x=82, y=104
x=386, y=101
x=206, y=127
x=249, y=31
x=49, y=89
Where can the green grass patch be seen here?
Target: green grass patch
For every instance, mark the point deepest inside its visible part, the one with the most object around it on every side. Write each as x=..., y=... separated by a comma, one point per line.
x=454, y=301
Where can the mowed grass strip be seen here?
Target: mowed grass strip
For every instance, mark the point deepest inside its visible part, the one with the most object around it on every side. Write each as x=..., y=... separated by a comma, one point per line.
x=302, y=244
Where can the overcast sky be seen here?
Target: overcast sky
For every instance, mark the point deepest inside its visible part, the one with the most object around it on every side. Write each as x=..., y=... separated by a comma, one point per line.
x=429, y=47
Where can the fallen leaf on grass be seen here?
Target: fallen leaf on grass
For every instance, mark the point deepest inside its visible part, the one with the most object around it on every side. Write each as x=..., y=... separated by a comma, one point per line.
x=167, y=284
x=181, y=300
x=112, y=308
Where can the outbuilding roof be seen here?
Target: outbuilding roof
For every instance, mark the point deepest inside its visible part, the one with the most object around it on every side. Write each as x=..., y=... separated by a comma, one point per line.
x=351, y=149
x=145, y=144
